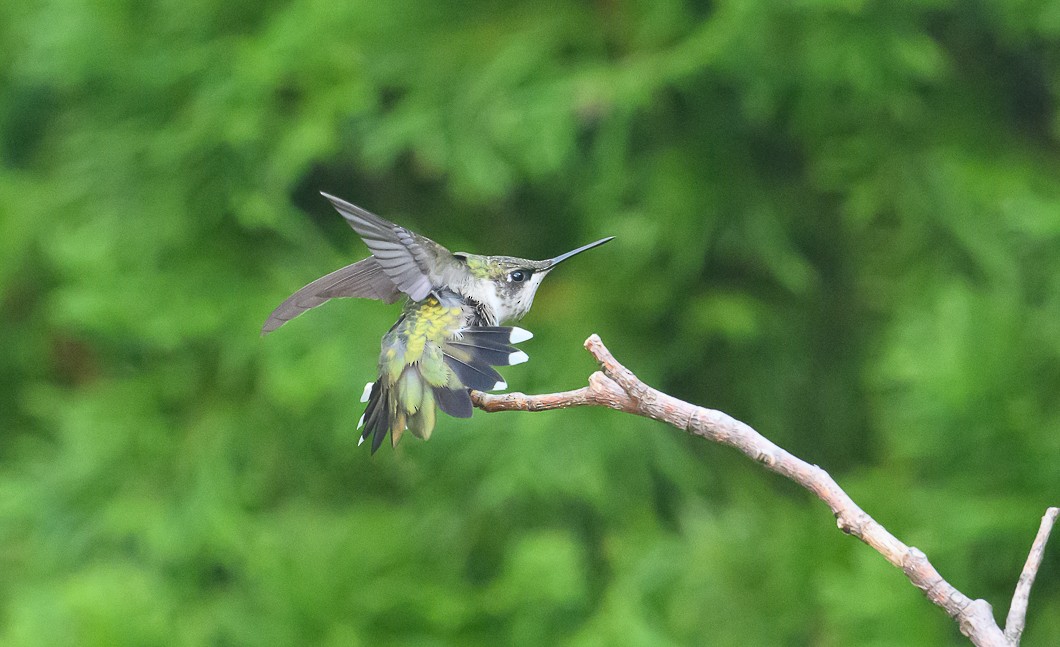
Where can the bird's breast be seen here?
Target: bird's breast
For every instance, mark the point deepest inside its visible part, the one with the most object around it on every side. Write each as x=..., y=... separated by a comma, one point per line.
x=489, y=306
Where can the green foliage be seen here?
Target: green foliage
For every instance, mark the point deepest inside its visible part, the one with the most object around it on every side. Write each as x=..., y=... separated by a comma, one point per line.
x=837, y=220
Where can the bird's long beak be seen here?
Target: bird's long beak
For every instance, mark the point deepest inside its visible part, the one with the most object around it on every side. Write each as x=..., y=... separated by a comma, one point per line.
x=552, y=262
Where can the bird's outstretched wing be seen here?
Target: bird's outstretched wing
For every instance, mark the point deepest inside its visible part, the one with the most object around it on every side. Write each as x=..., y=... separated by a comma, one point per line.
x=364, y=278
x=405, y=256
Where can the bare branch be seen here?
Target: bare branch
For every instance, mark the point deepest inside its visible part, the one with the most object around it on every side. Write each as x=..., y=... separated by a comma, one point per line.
x=618, y=388
x=1017, y=613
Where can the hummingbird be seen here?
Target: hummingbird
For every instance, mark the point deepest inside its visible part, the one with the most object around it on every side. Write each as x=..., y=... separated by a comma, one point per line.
x=450, y=334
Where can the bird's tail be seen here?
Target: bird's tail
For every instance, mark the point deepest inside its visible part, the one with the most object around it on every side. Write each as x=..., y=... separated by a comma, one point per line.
x=441, y=379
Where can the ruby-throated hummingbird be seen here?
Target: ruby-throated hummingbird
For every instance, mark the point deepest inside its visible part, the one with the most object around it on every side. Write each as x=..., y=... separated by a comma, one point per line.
x=449, y=336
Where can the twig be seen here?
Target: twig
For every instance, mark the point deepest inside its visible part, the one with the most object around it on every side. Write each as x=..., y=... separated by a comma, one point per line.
x=616, y=387
x=1017, y=612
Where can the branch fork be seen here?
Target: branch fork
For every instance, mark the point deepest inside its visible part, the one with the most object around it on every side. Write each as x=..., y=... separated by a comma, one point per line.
x=616, y=387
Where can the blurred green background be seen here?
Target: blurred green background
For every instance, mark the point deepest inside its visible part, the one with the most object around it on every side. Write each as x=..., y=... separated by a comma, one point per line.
x=838, y=221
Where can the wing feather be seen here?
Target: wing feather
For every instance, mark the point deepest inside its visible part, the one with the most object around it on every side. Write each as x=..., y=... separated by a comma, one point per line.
x=406, y=257
x=365, y=279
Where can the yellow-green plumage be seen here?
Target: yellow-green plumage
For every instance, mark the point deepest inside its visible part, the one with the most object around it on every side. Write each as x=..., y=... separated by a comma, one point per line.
x=429, y=360
x=412, y=364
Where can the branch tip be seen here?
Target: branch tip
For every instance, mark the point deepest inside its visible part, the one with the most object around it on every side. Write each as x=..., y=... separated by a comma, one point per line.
x=1017, y=612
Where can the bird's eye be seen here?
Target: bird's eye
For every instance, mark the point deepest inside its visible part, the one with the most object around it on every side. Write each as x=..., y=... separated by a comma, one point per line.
x=519, y=276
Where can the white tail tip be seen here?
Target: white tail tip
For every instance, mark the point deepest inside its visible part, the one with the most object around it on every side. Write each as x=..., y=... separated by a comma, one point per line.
x=367, y=391
x=500, y=385
x=360, y=423
x=518, y=357
x=359, y=442
x=519, y=335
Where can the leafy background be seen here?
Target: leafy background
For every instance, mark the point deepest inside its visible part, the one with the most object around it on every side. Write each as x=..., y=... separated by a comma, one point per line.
x=837, y=220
